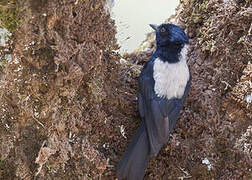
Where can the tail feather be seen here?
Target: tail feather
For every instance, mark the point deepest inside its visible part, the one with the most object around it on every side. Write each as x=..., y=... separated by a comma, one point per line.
x=135, y=160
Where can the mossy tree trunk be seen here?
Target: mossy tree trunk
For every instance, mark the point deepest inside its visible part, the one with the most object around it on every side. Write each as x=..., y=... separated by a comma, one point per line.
x=67, y=102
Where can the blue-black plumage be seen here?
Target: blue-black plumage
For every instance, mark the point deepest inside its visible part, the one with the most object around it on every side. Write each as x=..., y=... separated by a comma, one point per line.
x=164, y=84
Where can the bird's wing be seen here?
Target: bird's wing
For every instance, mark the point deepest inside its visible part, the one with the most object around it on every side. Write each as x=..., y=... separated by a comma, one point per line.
x=160, y=114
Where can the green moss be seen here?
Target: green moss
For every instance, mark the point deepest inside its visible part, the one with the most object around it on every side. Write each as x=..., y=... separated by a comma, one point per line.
x=199, y=18
x=1, y=162
x=3, y=63
x=8, y=15
x=1, y=167
x=95, y=87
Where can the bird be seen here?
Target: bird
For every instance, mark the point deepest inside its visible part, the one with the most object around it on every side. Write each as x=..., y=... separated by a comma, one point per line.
x=164, y=84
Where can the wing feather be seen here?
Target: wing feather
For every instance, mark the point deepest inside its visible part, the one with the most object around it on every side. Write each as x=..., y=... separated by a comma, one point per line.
x=160, y=114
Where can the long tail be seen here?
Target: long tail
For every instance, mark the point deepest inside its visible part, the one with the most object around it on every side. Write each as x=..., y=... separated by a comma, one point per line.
x=134, y=162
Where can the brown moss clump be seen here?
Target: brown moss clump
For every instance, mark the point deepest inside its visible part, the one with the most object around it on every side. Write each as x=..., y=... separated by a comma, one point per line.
x=243, y=89
x=58, y=94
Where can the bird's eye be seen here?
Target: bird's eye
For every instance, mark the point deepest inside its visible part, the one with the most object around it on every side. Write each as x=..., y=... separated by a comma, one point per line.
x=162, y=30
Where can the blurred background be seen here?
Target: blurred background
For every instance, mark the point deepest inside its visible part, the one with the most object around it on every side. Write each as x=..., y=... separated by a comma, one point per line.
x=133, y=18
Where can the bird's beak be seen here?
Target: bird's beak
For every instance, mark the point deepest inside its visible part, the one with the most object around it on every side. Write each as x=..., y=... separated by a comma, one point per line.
x=154, y=26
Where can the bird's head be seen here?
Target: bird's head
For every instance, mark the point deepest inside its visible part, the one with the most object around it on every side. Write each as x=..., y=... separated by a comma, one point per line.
x=169, y=34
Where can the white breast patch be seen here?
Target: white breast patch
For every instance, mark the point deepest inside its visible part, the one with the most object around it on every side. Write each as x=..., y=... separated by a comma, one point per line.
x=171, y=78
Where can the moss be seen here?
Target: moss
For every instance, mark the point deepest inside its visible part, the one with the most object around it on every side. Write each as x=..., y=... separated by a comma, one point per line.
x=71, y=115
x=9, y=15
x=2, y=167
x=3, y=63
x=46, y=59
x=37, y=5
x=64, y=71
x=6, y=170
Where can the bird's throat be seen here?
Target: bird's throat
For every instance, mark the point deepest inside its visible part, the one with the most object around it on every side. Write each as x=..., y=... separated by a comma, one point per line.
x=169, y=53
